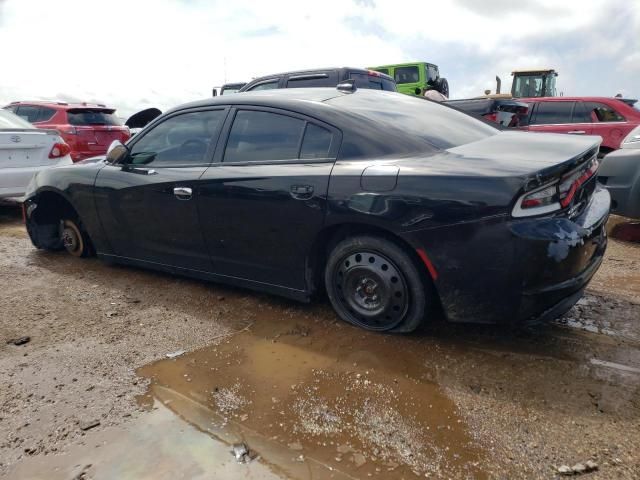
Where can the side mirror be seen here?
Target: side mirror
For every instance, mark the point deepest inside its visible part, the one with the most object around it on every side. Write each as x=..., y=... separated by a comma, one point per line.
x=214, y=92
x=117, y=153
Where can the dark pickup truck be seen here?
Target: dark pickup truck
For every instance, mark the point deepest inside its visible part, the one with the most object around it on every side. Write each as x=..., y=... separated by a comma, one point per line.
x=506, y=112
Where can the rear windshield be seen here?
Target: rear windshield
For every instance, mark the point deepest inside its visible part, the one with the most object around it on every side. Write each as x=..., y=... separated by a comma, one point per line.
x=364, y=80
x=11, y=120
x=441, y=126
x=87, y=116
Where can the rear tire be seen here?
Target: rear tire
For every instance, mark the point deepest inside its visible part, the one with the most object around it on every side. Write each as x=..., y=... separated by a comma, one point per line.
x=372, y=283
x=75, y=240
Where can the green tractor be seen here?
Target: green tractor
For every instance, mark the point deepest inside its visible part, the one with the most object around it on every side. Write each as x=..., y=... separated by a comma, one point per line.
x=415, y=78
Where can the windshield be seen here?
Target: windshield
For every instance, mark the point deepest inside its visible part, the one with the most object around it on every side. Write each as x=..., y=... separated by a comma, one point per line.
x=528, y=86
x=11, y=120
x=441, y=126
x=86, y=116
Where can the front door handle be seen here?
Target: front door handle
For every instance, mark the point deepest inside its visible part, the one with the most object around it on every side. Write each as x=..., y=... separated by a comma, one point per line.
x=577, y=132
x=183, y=193
x=302, y=192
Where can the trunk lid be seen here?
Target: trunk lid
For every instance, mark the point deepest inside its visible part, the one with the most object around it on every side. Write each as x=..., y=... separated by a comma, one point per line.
x=537, y=157
x=21, y=148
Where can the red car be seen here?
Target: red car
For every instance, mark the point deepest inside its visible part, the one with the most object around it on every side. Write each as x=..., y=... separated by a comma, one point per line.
x=87, y=128
x=610, y=118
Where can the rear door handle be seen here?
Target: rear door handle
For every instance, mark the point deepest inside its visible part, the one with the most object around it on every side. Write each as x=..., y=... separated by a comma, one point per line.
x=183, y=193
x=301, y=192
x=577, y=132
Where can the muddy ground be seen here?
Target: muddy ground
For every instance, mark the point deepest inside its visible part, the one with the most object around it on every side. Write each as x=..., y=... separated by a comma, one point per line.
x=93, y=394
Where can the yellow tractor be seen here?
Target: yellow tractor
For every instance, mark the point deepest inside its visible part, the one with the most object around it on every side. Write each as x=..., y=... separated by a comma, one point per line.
x=537, y=82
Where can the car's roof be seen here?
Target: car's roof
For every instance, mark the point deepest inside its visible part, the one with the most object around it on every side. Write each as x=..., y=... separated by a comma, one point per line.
x=280, y=96
x=571, y=99
x=61, y=105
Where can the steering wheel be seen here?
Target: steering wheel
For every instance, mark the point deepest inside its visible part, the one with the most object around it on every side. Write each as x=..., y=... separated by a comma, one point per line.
x=192, y=146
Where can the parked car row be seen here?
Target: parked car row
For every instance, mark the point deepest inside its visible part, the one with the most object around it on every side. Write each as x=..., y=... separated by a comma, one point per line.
x=87, y=128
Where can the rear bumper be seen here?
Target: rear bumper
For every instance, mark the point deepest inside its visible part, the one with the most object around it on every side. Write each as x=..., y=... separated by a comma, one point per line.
x=517, y=271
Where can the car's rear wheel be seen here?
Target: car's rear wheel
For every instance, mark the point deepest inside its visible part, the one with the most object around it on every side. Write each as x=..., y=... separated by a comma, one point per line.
x=74, y=240
x=372, y=283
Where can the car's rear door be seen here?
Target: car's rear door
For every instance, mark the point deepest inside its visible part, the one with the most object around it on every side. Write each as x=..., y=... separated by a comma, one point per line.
x=148, y=207
x=263, y=201
x=558, y=117
x=608, y=123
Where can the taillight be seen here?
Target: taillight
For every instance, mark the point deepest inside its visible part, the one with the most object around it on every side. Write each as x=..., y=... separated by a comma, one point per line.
x=570, y=183
x=493, y=117
x=59, y=150
x=555, y=195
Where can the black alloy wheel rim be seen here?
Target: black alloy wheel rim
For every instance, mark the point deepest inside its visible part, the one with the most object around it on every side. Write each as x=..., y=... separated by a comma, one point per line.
x=372, y=290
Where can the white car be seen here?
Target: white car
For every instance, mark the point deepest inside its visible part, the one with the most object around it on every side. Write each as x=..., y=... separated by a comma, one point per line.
x=24, y=151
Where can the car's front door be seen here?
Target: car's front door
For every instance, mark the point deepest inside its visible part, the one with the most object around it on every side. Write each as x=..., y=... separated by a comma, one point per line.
x=148, y=207
x=263, y=201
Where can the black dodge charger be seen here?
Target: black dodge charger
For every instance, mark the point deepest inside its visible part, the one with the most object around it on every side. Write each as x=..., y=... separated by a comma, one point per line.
x=391, y=204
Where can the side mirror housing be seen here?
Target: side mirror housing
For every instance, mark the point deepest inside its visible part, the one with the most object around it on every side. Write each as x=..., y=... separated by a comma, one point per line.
x=117, y=153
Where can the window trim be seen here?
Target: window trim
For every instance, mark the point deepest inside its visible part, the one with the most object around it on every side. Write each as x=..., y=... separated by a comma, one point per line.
x=334, y=149
x=275, y=80
x=535, y=117
x=211, y=148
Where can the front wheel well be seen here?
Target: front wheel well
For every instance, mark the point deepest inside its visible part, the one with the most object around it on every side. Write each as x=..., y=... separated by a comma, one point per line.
x=45, y=220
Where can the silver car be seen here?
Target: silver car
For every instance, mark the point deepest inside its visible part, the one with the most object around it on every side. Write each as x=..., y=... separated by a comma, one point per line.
x=620, y=173
x=24, y=151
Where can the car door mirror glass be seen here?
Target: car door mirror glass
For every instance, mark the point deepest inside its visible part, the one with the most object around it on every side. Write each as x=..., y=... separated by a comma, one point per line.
x=117, y=153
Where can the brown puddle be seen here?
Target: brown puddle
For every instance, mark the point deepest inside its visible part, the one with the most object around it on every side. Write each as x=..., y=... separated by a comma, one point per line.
x=339, y=400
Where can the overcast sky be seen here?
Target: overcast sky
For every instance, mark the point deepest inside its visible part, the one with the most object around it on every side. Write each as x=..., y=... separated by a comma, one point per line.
x=132, y=54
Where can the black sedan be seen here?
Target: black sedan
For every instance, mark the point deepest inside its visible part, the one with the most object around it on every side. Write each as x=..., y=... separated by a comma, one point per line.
x=391, y=204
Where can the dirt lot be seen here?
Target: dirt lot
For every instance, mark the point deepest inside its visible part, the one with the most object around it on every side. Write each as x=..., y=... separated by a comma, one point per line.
x=309, y=395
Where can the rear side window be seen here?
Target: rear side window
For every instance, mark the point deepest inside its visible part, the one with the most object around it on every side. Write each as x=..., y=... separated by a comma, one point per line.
x=46, y=114
x=312, y=80
x=30, y=113
x=182, y=139
x=265, y=86
x=549, y=113
x=87, y=116
x=364, y=80
x=599, y=112
x=407, y=75
x=316, y=142
x=257, y=136
x=265, y=136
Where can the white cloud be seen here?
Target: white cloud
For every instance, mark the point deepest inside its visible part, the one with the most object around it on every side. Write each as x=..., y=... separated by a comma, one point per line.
x=134, y=54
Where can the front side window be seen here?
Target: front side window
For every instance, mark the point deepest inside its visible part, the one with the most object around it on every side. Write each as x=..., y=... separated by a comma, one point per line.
x=599, y=112
x=182, y=139
x=265, y=86
x=265, y=136
x=528, y=86
x=407, y=75
x=551, y=113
